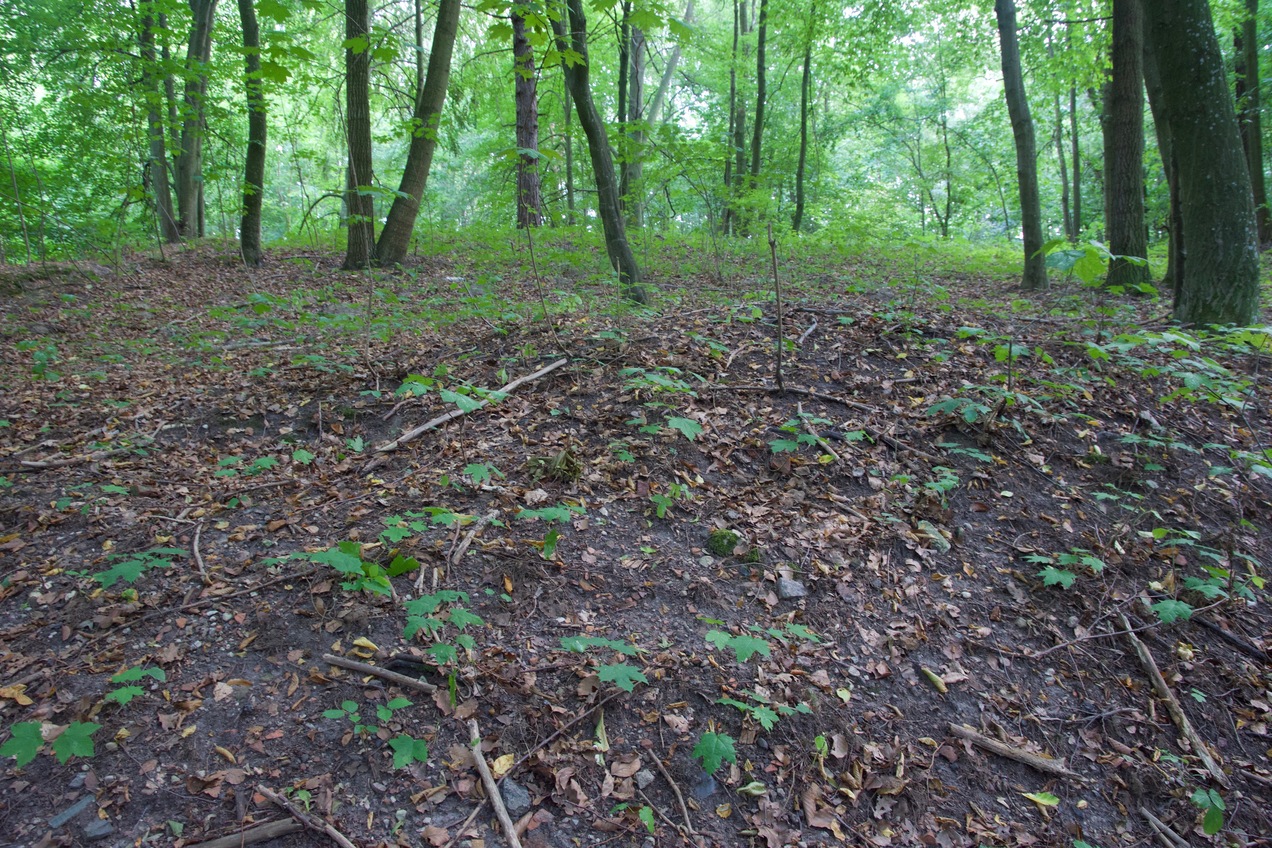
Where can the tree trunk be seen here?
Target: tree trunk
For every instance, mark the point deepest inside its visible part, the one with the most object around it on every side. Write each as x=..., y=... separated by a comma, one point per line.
x=576, y=78
x=1249, y=109
x=569, y=153
x=396, y=238
x=806, y=85
x=1035, y=272
x=1124, y=148
x=1076, y=142
x=529, y=192
x=193, y=124
x=1069, y=232
x=633, y=170
x=761, y=86
x=359, y=200
x=157, y=163
x=1220, y=280
x=1166, y=149
x=669, y=73
x=254, y=169
x=726, y=225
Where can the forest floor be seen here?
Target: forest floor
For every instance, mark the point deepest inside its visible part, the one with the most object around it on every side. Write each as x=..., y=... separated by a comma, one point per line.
x=886, y=605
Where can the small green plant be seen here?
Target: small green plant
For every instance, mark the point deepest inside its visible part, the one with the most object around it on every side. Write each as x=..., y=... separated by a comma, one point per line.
x=1057, y=570
x=124, y=694
x=675, y=492
x=764, y=711
x=945, y=482
x=130, y=567
x=232, y=466
x=430, y=614
x=559, y=514
x=26, y=738
x=713, y=749
x=1210, y=802
x=481, y=473
x=364, y=575
x=622, y=675
x=44, y=356
x=350, y=710
x=744, y=646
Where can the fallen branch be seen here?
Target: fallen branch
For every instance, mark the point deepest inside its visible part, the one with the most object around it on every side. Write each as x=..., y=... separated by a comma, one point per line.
x=680, y=799
x=804, y=336
x=1165, y=833
x=306, y=819
x=433, y=424
x=376, y=671
x=799, y=409
x=1172, y=704
x=492, y=788
x=261, y=833
x=1002, y=749
x=198, y=557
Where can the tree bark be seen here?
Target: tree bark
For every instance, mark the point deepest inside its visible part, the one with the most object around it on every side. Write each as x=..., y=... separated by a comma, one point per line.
x=1166, y=149
x=1220, y=281
x=569, y=152
x=761, y=94
x=359, y=201
x=1035, y=271
x=669, y=72
x=726, y=225
x=1249, y=113
x=576, y=78
x=189, y=162
x=254, y=168
x=633, y=170
x=396, y=237
x=529, y=191
x=1124, y=148
x=1075, y=142
x=806, y=85
x=157, y=163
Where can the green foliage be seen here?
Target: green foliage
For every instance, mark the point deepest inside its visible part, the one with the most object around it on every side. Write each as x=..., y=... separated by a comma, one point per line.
x=26, y=739
x=744, y=646
x=764, y=711
x=130, y=567
x=44, y=356
x=687, y=427
x=622, y=675
x=1058, y=567
x=232, y=466
x=407, y=749
x=713, y=749
x=432, y=614
x=1212, y=805
x=124, y=694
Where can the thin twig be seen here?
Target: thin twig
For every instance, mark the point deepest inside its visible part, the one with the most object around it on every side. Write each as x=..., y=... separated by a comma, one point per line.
x=680, y=799
x=799, y=409
x=376, y=671
x=1002, y=749
x=306, y=819
x=1164, y=832
x=492, y=788
x=804, y=335
x=781, y=324
x=198, y=557
x=260, y=833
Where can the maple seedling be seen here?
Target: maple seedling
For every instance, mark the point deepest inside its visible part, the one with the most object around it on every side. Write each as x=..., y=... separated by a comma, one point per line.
x=124, y=694
x=622, y=675
x=27, y=737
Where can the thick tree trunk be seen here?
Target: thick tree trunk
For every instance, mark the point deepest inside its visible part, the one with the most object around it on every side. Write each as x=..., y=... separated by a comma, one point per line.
x=805, y=88
x=529, y=192
x=254, y=169
x=1035, y=272
x=761, y=94
x=1220, y=281
x=1124, y=148
x=633, y=171
x=1249, y=109
x=396, y=238
x=576, y=78
x=157, y=163
x=727, y=224
x=189, y=164
x=359, y=200
x=1166, y=149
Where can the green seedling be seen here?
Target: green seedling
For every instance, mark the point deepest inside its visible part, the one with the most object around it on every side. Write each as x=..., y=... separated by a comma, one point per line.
x=124, y=694
x=26, y=738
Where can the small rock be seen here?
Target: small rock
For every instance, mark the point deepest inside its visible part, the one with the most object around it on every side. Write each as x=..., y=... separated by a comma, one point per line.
x=788, y=589
x=644, y=777
x=98, y=829
x=72, y=811
x=515, y=797
x=703, y=785
x=77, y=782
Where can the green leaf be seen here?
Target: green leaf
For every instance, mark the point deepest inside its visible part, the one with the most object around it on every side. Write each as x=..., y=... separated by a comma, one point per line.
x=402, y=565
x=744, y=646
x=1212, y=822
x=465, y=403
x=129, y=675
x=1052, y=576
x=302, y=456
x=550, y=543
x=442, y=653
x=713, y=749
x=784, y=446
x=24, y=742
x=272, y=9
x=124, y=694
x=646, y=816
x=766, y=716
x=1044, y=798
x=622, y=675
x=461, y=618
x=75, y=741
x=689, y=428
x=407, y=750
x=1171, y=610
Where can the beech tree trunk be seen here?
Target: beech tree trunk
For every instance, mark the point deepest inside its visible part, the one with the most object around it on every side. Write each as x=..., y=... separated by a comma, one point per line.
x=189, y=161
x=1022, y=128
x=1166, y=149
x=569, y=152
x=1220, y=280
x=359, y=200
x=1124, y=148
x=254, y=168
x=576, y=78
x=157, y=163
x=805, y=88
x=396, y=238
x=1076, y=142
x=1249, y=109
x=633, y=170
x=529, y=191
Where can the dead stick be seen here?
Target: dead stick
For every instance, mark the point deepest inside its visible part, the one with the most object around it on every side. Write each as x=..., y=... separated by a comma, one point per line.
x=1164, y=831
x=804, y=336
x=1172, y=705
x=1042, y=764
x=261, y=833
x=376, y=671
x=458, y=553
x=306, y=819
x=781, y=319
x=799, y=409
x=198, y=557
x=415, y=433
x=680, y=799
x=671, y=824
x=492, y=788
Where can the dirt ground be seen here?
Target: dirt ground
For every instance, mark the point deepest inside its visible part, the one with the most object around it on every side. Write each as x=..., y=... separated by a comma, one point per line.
x=868, y=566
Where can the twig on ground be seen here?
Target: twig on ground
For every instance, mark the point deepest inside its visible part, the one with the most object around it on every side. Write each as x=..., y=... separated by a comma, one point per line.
x=799, y=409
x=260, y=833
x=384, y=673
x=1164, y=832
x=680, y=799
x=671, y=824
x=198, y=557
x=1234, y=640
x=306, y=819
x=1172, y=704
x=804, y=335
x=492, y=788
x=1002, y=749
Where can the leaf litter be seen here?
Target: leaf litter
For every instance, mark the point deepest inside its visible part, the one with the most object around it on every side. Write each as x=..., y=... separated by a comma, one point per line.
x=911, y=635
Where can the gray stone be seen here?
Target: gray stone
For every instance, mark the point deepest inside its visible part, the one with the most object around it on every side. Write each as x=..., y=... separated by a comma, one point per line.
x=515, y=797
x=703, y=785
x=72, y=811
x=788, y=589
x=98, y=829
x=644, y=777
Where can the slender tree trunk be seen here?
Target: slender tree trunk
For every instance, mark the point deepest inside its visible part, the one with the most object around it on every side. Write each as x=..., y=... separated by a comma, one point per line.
x=1124, y=147
x=194, y=121
x=359, y=200
x=1035, y=273
x=1075, y=141
x=254, y=169
x=1062, y=158
x=727, y=223
x=1220, y=280
x=1249, y=113
x=576, y=77
x=633, y=168
x=1166, y=149
x=419, y=46
x=761, y=94
x=569, y=153
x=668, y=74
x=157, y=163
x=805, y=88
x=396, y=237
x=17, y=194
x=529, y=193
x=739, y=138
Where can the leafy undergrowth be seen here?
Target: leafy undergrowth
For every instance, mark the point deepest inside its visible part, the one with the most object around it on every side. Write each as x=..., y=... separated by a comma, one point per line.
x=680, y=605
